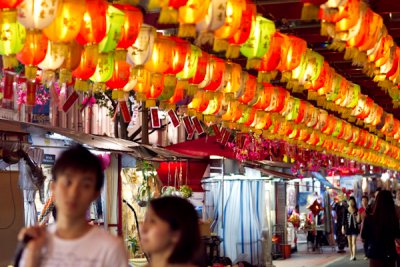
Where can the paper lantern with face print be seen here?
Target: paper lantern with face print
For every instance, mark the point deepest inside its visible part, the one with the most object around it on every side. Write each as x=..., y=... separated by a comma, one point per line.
x=67, y=23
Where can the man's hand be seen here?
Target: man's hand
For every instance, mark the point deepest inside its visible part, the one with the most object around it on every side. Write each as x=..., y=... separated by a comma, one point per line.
x=37, y=236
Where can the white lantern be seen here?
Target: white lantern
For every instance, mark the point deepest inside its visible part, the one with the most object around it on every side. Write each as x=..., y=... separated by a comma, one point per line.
x=37, y=14
x=54, y=57
x=141, y=50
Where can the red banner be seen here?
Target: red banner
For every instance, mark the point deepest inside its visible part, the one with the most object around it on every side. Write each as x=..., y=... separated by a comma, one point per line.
x=31, y=93
x=225, y=137
x=8, y=90
x=155, y=119
x=217, y=132
x=173, y=118
x=188, y=126
x=70, y=101
x=197, y=125
x=126, y=115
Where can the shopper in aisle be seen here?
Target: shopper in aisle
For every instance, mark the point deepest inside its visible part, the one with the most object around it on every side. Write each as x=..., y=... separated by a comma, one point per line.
x=170, y=234
x=364, y=212
x=351, y=219
x=381, y=231
x=71, y=241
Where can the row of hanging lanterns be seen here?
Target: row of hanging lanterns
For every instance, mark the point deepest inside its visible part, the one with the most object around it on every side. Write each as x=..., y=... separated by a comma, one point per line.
x=355, y=28
x=97, y=41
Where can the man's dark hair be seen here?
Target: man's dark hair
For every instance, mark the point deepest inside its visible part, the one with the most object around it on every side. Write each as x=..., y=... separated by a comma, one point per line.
x=80, y=159
x=366, y=197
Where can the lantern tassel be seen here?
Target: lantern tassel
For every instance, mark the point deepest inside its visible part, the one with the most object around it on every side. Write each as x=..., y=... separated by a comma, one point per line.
x=253, y=63
x=30, y=72
x=309, y=12
x=10, y=62
x=337, y=45
x=220, y=45
x=168, y=16
x=233, y=51
x=140, y=97
x=266, y=77
x=170, y=81
x=350, y=53
x=360, y=58
x=81, y=85
x=120, y=55
x=312, y=95
x=65, y=76
x=150, y=103
x=192, y=89
x=187, y=31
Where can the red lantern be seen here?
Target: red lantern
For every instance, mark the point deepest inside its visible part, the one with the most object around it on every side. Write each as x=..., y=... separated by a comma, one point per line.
x=264, y=93
x=131, y=28
x=9, y=4
x=271, y=59
x=93, y=26
x=250, y=90
x=292, y=51
x=218, y=70
x=120, y=76
x=88, y=63
x=201, y=68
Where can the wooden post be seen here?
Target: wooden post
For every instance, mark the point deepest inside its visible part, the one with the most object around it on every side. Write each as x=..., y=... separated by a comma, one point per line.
x=145, y=124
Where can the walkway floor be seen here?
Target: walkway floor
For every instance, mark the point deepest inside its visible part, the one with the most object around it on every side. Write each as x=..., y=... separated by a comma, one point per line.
x=326, y=259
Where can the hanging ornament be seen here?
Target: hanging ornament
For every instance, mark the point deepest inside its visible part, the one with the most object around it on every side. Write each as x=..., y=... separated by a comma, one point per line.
x=115, y=19
x=53, y=60
x=131, y=27
x=189, y=15
x=71, y=62
x=87, y=67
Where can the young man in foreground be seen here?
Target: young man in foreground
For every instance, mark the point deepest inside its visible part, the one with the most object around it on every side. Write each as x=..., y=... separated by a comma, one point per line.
x=71, y=241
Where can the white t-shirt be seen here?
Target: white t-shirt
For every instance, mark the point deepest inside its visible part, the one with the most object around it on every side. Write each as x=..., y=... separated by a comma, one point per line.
x=97, y=248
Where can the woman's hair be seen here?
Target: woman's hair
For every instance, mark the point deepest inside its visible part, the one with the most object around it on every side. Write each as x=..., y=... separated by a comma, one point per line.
x=384, y=214
x=355, y=202
x=182, y=217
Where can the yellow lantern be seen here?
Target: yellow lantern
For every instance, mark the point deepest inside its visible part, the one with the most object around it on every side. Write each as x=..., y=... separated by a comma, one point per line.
x=67, y=23
x=232, y=78
x=189, y=15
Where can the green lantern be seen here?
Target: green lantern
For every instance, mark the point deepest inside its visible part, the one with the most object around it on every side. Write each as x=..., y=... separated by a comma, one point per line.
x=104, y=68
x=293, y=109
x=190, y=63
x=115, y=20
x=260, y=38
x=12, y=37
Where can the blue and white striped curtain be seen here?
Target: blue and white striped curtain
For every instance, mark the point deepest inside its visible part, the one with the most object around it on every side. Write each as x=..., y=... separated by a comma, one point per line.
x=237, y=212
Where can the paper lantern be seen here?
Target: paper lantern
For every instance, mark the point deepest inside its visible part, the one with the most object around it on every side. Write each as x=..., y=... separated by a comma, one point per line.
x=248, y=117
x=141, y=50
x=231, y=109
x=178, y=94
x=71, y=61
x=213, y=107
x=93, y=27
x=264, y=93
x=191, y=62
x=180, y=49
x=258, y=43
x=250, y=89
x=115, y=19
x=244, y=31
x=161, y=57
x=270, y=60
x=54, y=57
x=37, y=14
x=12, y=37
x=11, y=4
x=168, y=89
x=233, y=17
x=88, y=63
x=189, y=15
x=199, y=102
x=215, y=17
x=319, y=82
x=155, y=89
x=104, y=68
x=201, y=68
x=262, y=120
x=143, y=78
x=374, y=28
x=291, y=53
x=279, y=99
x=232, y=78
x=67, y=23
x=313, y=69
x=120, y=75
x=33, y=52
x=169, y=11
x=218, y=68
x=131, y=27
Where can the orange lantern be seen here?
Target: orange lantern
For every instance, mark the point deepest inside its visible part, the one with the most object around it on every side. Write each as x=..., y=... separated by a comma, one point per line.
x=292, y=51
x=271, y=59
x=190, y=14
x=218, y=68
x=71, y=61
x=66, y=26
x=33, y=52
x=87, y=66
x=279, y=99
x=264, y=92
x=120, y=76
x=250, y=89
x=9, y=4
x=374, y=27
x=199, y=102
x=241, y=36
x=201, y=69
x=131, y=27
x=93, y=27
x=161, y=57
x=232, y=77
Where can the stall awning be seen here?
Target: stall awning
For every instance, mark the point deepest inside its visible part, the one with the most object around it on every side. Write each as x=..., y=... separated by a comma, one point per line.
x=102, y=143
x=322, y=180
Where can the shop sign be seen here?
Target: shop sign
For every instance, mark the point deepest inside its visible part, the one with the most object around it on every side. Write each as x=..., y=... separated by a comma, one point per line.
x=49, y=159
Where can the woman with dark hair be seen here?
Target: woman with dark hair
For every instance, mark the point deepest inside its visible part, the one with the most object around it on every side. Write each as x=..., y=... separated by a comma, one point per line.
x=351, y=219
x=170, y=233
x=381, y=229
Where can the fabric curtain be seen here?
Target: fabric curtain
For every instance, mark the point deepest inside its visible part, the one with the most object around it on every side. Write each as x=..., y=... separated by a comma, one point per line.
x=237, y=210
x=29, y=191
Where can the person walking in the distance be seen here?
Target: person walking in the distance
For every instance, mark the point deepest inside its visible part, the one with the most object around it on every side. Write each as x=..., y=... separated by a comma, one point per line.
x=71, y=241
x=381, y=231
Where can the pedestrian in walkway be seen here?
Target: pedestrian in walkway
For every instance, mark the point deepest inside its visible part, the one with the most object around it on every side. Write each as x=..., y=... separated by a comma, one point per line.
x=341, y=239
x=364, y=212
x=381, y=229
x=351, y=219
x=72, y=241
x=170, y=233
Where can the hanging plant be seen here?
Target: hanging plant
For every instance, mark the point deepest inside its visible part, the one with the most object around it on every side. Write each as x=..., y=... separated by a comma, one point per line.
x=149, y=188
x=186, y=191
